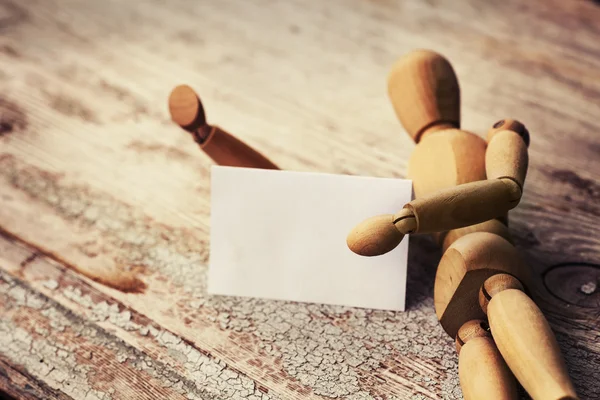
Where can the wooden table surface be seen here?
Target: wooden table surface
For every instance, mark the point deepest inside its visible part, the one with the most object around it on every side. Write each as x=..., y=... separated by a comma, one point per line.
x=96, y=181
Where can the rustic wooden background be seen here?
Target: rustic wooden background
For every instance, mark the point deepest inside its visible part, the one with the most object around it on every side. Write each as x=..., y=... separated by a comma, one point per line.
x=94, y=178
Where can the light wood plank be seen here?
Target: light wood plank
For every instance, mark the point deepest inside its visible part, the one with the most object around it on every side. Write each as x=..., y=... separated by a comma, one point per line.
x=94, y=175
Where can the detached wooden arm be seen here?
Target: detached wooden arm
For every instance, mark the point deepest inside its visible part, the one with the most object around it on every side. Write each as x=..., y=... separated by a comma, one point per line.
x=224, y=148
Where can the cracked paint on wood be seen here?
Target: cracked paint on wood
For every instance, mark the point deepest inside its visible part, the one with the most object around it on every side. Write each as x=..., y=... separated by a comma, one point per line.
x=303, y=341
x=27, y=323
x=319, y=345
x=87, y=362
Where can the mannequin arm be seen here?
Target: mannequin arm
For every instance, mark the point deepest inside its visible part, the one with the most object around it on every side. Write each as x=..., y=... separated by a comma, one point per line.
x=452, y=208
x=455, y=207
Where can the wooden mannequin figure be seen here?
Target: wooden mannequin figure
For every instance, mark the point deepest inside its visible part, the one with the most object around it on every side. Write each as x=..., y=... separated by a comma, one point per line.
x=464, y=188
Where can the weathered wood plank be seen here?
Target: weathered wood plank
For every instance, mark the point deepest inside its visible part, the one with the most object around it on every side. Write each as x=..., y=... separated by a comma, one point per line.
x=249, y=320
x=18, y=384
x=52, y=346
x=94, y=335
x=93, y=174
x=253, y=338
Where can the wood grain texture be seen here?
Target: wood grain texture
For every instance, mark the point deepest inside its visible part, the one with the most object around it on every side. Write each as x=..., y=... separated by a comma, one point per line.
x=482, y=370
x=94, y=175
x=527, y=344
x=424, y=92
x=480, y=255
x=440, y=161
x=465, y=205
x=506, y=157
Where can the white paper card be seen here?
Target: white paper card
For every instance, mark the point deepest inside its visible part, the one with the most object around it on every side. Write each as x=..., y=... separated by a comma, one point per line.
x=282, y=235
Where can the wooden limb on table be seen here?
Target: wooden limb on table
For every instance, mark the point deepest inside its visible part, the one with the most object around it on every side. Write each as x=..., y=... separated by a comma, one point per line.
x=225, y=149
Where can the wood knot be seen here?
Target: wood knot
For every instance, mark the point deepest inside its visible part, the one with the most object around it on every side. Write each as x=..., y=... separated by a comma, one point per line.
x=12, y=118
x=575, y=283
x=588, y=288
x=5, y=127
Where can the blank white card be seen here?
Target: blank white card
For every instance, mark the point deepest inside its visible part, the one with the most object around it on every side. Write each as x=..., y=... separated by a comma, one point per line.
x=282, y=235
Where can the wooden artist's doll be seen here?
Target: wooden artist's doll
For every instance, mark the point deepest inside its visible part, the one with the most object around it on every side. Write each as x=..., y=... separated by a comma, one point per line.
x=464, y=188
